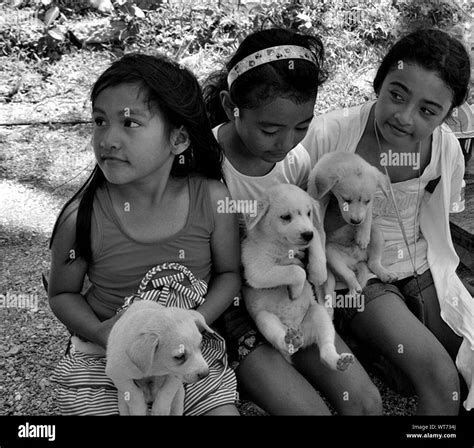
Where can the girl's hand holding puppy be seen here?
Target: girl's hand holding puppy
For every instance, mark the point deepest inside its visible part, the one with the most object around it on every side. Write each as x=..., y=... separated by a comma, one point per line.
x=104, y=328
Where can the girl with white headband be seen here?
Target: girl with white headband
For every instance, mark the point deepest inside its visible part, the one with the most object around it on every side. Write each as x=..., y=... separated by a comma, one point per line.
x=261, y=105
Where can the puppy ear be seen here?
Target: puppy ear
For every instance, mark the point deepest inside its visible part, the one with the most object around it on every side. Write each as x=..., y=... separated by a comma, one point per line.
x=321, y=182
x=142, y=351
x=201, y=322
x=262, y=208
x=383, y=182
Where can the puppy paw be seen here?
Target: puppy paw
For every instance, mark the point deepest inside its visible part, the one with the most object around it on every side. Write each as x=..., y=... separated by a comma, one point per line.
x=389, y=277
x=345, y=360
x=355, y=290
x=362, y=241
x=293, y=340
x=317, y=276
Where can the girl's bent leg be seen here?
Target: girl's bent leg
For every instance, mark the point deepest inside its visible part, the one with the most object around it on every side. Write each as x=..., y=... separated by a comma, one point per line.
x=268, y=380
x=350, y=392
x=433, y=320
x=388, y=326
x=448, y=338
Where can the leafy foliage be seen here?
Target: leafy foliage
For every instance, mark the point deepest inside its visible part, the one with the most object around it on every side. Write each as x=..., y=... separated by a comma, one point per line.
x=43, y=29
x=444, y=14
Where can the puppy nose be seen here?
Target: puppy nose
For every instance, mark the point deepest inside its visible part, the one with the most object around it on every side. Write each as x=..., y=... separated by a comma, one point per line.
x=355, y=221
x=307, y=236
x=203, y=374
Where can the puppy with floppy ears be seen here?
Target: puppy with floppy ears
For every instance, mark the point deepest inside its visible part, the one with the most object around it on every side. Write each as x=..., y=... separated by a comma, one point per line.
x=151, y=351
x=357, y=246
x=282, y=229
x=160, y=345
x=277, y=295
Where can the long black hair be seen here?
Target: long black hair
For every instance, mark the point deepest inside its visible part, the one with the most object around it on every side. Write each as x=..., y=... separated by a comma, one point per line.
x=175, y=91
x=270, y=80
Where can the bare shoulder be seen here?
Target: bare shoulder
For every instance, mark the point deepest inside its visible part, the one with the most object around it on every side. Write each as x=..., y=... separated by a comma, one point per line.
x=217, y=190
x=218, y=193
x=65, y=275
x=66, y=222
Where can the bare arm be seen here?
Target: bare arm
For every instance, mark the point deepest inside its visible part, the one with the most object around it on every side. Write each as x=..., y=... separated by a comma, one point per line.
x=225, y=249
x=65, y=286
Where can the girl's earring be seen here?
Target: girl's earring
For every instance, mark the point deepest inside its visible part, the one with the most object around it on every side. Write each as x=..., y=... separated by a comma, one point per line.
x=236, y=112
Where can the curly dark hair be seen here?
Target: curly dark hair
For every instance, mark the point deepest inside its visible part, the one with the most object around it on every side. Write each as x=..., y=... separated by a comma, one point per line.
x=267, y=81
x=434, y=50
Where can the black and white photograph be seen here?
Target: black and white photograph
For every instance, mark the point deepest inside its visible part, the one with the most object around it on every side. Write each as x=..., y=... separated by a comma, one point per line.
x=236, y=208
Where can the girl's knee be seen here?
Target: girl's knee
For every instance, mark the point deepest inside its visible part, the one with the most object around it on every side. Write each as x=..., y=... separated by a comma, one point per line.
x=438, y=390
x=446, y=378
x=366, y=401
x=372, y=404
x=439, y=374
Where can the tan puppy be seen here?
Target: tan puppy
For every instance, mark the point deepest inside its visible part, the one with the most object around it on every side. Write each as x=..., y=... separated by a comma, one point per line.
x=356, y=247
x=278, y=296
x=151, y=351
x=159, y=348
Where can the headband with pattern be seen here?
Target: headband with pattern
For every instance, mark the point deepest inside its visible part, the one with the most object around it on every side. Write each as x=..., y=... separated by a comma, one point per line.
x=269, y=55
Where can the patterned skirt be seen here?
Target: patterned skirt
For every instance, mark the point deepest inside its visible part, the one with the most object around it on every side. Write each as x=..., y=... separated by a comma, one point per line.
x=85, y=389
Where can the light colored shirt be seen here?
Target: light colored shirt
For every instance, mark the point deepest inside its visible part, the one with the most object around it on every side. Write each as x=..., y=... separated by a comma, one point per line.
x=293, y=169
x=341, y=131
x=396, y=256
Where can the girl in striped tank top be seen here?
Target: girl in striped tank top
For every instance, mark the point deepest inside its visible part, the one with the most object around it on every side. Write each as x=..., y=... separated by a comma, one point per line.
x=152, y=199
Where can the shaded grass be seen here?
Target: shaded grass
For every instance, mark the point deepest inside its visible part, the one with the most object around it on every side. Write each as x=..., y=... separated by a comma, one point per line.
x=55, y=159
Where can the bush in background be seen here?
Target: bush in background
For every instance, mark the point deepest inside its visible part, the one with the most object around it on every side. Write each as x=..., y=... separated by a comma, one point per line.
x=183, y=28
x=202, y=33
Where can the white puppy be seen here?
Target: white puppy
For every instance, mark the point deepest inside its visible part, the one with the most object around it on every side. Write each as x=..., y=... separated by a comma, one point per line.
x=356, y=247
x=151, y=351
x=278, y=296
